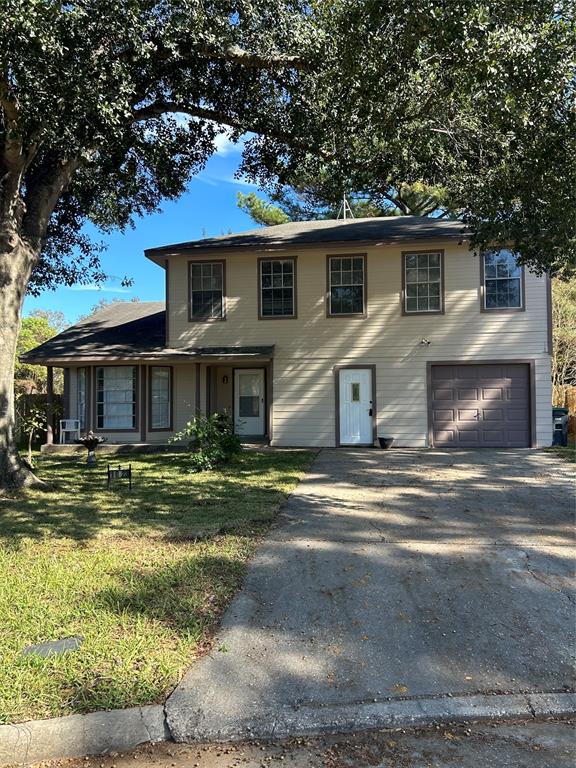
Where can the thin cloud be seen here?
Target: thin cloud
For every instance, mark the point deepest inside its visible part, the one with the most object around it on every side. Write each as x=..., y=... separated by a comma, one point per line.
x=99, y=288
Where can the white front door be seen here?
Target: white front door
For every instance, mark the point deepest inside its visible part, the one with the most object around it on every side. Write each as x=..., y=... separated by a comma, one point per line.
x=249, y=401
x=356, y=406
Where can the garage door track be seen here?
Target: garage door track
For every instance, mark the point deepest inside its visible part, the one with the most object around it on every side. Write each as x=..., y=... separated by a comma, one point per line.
x=404, y=575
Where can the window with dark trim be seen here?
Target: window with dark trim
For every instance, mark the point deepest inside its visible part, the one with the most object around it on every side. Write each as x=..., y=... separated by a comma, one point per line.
x=160, y=397
x=502, y=276
x=277, y=288
x=207, y=290
x=423, y=282
x=116, y=397
x=346, y=285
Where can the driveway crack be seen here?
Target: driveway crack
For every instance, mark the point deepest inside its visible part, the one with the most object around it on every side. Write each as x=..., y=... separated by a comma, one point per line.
x=543, y=580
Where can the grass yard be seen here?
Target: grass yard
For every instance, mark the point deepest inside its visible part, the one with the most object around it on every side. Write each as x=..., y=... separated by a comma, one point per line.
x=568, y=452
x=142, y=576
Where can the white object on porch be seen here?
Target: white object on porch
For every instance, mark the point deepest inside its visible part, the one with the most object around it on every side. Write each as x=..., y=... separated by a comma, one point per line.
x=69, y=427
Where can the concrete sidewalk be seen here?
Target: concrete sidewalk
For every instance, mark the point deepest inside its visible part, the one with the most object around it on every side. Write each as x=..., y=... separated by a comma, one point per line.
x=413, y=576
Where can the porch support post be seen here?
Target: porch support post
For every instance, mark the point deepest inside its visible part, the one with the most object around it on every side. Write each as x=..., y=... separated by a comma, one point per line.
x=49, y=404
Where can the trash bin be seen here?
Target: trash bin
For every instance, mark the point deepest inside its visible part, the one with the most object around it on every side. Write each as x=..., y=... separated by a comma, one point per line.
x=560, y=422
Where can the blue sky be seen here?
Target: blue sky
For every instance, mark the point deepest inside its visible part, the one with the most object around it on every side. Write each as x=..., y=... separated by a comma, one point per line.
x=207, y=209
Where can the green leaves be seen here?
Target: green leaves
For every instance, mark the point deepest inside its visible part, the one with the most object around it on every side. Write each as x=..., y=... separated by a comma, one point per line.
x=361, y=95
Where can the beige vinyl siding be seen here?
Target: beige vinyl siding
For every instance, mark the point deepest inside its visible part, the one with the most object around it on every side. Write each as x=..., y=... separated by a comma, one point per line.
x=308, y=347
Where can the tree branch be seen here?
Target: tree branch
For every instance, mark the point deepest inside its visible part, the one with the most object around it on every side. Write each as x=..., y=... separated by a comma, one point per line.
x=13, y=161
x=161, y=107
x=235, y=54
x=238, y=55
x=42, y=196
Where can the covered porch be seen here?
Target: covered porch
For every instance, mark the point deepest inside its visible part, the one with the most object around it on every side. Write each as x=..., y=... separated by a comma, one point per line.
x=139, y=405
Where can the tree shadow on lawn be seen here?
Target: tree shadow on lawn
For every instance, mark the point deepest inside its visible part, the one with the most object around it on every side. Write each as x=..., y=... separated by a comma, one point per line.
x=141, y=631
x=166, y=500
x=186, y=596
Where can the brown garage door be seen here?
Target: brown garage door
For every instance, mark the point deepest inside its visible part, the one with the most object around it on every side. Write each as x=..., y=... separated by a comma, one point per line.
x=483, y=406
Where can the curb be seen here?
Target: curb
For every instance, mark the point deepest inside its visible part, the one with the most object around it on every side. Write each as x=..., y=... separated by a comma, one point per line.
x=193, y=725
x=120, y=730
x=78, y=735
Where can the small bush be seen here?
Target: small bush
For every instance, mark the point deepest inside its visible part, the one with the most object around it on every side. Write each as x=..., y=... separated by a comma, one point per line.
x=212, y=439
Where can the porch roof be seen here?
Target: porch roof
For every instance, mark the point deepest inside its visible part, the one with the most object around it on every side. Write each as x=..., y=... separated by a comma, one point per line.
x=128, y=331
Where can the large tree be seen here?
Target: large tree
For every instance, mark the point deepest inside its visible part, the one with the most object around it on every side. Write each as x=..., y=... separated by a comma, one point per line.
x=310, y=200
x=477, y=99
x=34, y=330
x=564, y=338
x=109, y=106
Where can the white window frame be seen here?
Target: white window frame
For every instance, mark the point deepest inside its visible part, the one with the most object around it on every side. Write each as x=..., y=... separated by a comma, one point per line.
x=204, y=265
x=407, y=280
x=168, y=403
x=519, y=276
x=352, y=284
x=119, y=400
x=262, y=288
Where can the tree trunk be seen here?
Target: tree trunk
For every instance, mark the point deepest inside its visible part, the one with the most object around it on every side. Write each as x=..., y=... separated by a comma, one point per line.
x=16, y=262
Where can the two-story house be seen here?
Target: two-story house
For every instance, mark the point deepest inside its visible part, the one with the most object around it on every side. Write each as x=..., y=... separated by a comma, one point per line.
x=322, y=333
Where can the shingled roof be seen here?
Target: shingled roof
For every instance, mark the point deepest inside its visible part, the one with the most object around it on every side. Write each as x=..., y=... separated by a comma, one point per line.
x=385, y=229
x=125, y=328
x=127, y=331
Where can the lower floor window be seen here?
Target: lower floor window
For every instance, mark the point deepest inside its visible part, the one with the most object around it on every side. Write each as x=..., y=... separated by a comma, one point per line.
x=81, y=404
x=160, y=406
x=116, y=397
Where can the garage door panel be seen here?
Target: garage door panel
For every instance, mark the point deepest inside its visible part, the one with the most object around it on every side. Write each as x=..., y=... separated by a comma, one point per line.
x=469, y=437
x=464, y=373
x=490, y=371
x=445, y=437
x=444, y=415
x=494, y=414
x=445, y=372
x=467, y=414
x=468, y=394
x=443, y=394
x=519, y=436
x=493, y=405
x=493, y=393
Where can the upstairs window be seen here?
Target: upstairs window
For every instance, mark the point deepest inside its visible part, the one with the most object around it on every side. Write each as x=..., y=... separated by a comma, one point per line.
x=423, y=283
x=116, y=397
x=346, y=285
x=502, y=281
x=277, y=288
x=206, y=291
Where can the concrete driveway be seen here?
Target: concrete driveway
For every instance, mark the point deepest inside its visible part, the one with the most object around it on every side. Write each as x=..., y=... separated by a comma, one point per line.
x=419, y=576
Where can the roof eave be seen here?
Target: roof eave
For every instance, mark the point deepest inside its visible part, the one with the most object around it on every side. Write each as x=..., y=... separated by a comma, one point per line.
x=159, y=255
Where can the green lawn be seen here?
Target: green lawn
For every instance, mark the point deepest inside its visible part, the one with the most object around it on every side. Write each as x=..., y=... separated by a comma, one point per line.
x=142, y=576
x=568, y=453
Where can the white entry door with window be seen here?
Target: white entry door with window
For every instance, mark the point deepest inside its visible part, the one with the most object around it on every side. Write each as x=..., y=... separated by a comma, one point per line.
x=249, y=401
x=356, y=406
